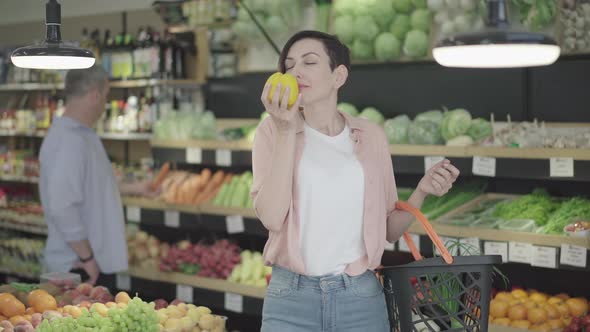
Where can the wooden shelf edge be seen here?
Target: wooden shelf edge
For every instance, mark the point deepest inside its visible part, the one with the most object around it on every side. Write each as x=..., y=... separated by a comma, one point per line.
x=241, y=145
x=27, y=229
x=219, y=285
x=206, y=208
x=21, y=275
x=209, y=208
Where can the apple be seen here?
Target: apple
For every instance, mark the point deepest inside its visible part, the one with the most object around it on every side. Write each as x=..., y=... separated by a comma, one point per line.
x=160, y=303
x=286, y=80
x=84, y=289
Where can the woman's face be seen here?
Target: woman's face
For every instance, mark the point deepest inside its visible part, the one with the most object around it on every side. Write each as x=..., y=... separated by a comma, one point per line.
x=308, y=61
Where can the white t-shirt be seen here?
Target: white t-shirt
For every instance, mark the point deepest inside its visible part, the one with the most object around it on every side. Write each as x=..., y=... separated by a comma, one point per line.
x=331, y=196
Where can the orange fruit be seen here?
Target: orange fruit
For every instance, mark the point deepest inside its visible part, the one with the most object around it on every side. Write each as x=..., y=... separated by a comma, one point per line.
x=577, y=306
x=563, y=309
x=11, y=307
x=520, y=324
x=544, y=327
x=501, y=321
x=15, y=319
x=28, y=318
x=519, y=294
x=552, y=312
x=503, y=296
x=531, y=305
x=498, y=309
x=514, y=302
x=29, y=311
x=34, y=295
x=42, y=301
x=556, y=324
x=517, y=312
x=538, y=297
x=537, y=315
x=554, y=300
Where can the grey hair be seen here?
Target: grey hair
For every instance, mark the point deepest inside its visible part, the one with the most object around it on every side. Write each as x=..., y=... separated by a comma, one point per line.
x=80, y=81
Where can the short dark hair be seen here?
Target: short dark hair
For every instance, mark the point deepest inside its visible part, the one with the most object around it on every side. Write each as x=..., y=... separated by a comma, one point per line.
x=80, y=81
x=338, y=53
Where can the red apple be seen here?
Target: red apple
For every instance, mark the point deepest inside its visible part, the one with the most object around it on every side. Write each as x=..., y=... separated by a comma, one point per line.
x=84, y=289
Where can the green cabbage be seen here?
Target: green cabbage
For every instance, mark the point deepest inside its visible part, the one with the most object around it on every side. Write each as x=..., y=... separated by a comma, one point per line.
x=416, y=43
x=480, y=129
x=462, y=140
x=421, y=19
x=424, y=133
x=275, y=25
x=365, y=28
x=373, y=115
x=387, y=47
x=343, y=28
x=420, y=4
x=348, y=108
x=455, y=123
x=434, y=116
x=402, y=6
x=344, y=7
x=400, y=26
x=382, y=12
x=396, y=129
x=362, y=50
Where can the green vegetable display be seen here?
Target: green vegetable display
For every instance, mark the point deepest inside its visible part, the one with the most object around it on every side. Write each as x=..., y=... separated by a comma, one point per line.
x=455, y=123
x=573, y=208
x=400, y=26
x=396, y=129
x=537, y=206
x=387, y=47
x=479, y=129
x=416, y=43
x=348, y=108
x=424, y=133
x=373, y=115
x=536, y=14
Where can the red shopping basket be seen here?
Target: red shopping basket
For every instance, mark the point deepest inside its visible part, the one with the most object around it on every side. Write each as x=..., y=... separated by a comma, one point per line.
x=438, y=294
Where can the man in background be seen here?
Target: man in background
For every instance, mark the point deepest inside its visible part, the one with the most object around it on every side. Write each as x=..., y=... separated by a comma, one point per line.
x=79, y=193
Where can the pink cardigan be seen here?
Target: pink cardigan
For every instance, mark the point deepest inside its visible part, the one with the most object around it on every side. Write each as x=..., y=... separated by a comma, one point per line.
x=372, y=150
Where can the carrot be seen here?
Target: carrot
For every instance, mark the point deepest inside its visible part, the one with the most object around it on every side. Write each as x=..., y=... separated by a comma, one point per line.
x=206, y=175
x=160, y=177
x=215, y=181
x=196, y=183
x=214, y=193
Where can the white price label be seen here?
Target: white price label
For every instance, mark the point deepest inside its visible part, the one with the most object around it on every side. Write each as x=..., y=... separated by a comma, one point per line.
x=133, y=214
x=194, y=155
x=470, y=246
x=520, y=252
x=389, y=246
x=484, y=166
x=223, y=157
x=234, y=302
x=561, y=167
x=123, y=281
x=403, y=245
x=235, y=224
x=184, y=293
x=544, y=257
x=496, y=248
x=573, y=255
x=430, y=161
x=172, y=219
x=449, y=242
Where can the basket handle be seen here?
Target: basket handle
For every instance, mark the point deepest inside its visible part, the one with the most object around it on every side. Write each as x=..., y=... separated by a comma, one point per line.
x=405, y=206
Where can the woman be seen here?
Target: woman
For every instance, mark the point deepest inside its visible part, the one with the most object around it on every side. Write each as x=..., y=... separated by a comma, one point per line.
x=324, y=188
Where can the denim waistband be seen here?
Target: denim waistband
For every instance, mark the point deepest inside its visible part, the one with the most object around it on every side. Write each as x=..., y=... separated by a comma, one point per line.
x=325, y=283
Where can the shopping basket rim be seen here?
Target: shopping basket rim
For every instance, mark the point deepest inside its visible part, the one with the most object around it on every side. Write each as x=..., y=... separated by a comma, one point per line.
x=439, y=262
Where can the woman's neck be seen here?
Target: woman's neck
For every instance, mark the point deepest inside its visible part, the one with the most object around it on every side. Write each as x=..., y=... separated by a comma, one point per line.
x=324, y=117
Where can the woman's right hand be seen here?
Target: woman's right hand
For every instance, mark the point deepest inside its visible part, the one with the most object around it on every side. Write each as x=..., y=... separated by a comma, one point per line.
x=283, y=117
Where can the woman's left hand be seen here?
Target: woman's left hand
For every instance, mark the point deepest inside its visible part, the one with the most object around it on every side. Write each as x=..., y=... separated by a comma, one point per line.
x=439, y=179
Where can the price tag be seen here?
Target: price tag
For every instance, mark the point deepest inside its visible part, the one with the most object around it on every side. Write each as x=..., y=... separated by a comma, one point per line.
x=544, y=257
x=194, y=155
x=449, y=242
x=484, y=166
x=123, y=281
x=561, y=167
x=403, y=245
x=389, y=246
x=573, y=255
x=172, y=219
x=496, y=248
x=223, y=157
x=470, y=246
x=184, y=293
x=430, y=161
x=234, y=302
x=520, y=252
x=133, y=214
x=235, y=224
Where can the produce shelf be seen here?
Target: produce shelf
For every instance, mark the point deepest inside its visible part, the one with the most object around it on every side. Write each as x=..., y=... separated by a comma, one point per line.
x=106, y=136
x=14, y=178
x=9, y=274
x=39, y=230
x=122, y=84
x=31, y=86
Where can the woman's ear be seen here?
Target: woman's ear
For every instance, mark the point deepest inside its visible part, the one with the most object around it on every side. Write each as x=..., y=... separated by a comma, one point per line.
x=341, y=75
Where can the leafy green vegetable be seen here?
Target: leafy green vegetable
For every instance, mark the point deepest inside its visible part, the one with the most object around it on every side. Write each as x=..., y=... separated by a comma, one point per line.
x=462, y=140
x=23, y=287
x=348, y=108
x=536, y=206
x=434, y=116
x=344, y=7
x=365, y=28
x=424, y=132
x=575, y=207
x=536, y=14
x=362, y=50
x=402, y=6
x=343, y=28
x=373, y=115
x=479, y=129
x=400, y=26
x=387, y=47
x=416, y=43
x=455, y=123
x=396, y=129
x=421, y=20
x=382, y=12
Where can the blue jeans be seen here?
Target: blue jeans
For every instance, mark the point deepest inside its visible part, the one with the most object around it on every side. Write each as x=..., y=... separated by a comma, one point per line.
x=341, y=303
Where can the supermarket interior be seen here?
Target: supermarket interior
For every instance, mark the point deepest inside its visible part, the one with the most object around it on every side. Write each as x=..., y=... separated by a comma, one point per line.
x=183, y=107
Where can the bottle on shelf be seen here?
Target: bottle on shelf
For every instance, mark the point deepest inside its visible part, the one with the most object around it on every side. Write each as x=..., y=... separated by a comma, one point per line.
x=131, y=115
x=107, y=48
x=154, y=42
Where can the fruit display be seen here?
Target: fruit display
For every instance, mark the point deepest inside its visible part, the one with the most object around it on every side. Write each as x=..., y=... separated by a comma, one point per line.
x=19, y=163
x=579, y=324
x=145, y=250
x=538, y=135
x=188, y=317
x=236, y=193
x=575, y=19
x=211, y=261
x=536, y=311
x=21, y=255
x=278, y=18
x=22, y=214
x=181, y=187
x=251, y=271
x=456, y=16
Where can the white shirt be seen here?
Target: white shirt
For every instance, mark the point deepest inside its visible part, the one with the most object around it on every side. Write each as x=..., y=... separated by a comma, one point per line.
x=331, y=196
x=80, y=198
